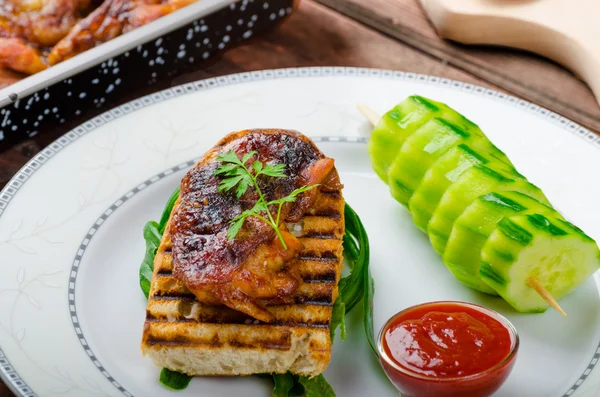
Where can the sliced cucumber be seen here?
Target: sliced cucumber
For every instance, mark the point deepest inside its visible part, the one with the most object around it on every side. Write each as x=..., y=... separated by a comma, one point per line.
x=394, y=127
x=476, y=181
x=442, y=174
x=427, y=144
x=554, y=252
x=472, y=228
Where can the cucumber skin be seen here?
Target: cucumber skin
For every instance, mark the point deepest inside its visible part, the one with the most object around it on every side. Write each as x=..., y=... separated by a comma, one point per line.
x=440, y=176
x=428, y=144
x=475, y=182
x=470, y=231
x=494, y=269
x=394, y=127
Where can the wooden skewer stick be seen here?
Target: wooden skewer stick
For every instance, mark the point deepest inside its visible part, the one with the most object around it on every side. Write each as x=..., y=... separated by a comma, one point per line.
x=531, y=282
x=543, y=292
x=369, y=113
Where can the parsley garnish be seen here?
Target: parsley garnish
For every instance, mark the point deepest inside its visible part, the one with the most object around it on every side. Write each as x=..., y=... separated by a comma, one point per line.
x=237, y=175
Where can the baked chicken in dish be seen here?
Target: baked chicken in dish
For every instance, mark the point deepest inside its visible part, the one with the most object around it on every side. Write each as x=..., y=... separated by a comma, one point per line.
x=35, y=34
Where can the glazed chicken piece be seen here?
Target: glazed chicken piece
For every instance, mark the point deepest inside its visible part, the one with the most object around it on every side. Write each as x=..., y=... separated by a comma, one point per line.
x=109, y=20
x=16, y=55
x=8, y=77
x=41, y=22
x=254, y=266
x=26, y=26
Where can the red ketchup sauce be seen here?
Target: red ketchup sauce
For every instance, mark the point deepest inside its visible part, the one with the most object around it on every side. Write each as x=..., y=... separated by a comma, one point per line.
x=448, y=349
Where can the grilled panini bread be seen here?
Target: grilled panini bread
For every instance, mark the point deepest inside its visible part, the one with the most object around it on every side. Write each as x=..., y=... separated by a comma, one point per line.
x=246, y=306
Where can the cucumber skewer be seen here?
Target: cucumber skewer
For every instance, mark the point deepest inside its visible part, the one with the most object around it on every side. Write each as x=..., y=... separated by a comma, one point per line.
x=373, y=118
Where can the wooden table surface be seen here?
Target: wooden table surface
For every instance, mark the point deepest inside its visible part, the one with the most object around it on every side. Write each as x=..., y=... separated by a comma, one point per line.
x=390, y=34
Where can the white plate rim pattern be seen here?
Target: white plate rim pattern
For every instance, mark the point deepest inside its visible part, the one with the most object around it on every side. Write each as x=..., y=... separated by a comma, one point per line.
x=7, y=373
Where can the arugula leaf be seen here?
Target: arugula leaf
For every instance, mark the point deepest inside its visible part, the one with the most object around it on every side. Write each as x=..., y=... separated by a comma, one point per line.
x=152, y=235
x=368, y=311
x=283, y=384
x=174, y=380
x=362, y=285
x=338, y=318
x=164, y=218
x=350, y=250
x=316, y=386
x=352, y=286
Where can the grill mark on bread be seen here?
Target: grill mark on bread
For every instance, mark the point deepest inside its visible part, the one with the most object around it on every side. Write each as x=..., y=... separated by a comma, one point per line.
x=327, y=213
x=321, y=297
x=318, y=235
x=328, y=276
x=325, y=255
x=316, y=324
x=311, y=257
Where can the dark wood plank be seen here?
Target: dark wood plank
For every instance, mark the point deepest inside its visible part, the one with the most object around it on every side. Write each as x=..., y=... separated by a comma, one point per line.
x=318, y=36
x=525, y=75
x=314, y=35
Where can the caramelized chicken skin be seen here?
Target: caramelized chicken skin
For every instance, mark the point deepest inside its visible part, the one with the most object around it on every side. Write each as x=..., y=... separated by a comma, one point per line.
x=254, y=266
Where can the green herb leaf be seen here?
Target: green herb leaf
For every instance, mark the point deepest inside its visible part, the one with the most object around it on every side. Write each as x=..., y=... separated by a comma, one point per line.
x=229, y=157
x=338, y=318
x=235, y=227
x=229, y=183
x=275, y=171
x=290, y=198
x=316, y=386
x=258, y=166
x=174, y=380
x=225, y=169
x=283, y=384
x=242, y=188
x=248, y=156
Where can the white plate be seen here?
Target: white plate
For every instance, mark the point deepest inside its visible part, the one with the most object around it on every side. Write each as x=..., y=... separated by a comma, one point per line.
x=71, y=311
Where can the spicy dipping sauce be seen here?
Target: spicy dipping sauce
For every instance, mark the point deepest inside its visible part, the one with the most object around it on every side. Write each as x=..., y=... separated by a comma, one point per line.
x=447, y=349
